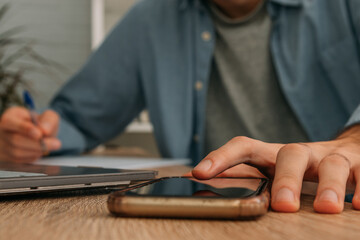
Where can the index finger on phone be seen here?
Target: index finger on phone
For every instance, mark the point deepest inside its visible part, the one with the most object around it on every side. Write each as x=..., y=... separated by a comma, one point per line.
x=241, y=170
x=238, y=150
x=188, y=174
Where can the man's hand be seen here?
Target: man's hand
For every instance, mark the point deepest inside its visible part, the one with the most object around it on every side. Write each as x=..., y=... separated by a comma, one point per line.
x=334, y=164
x=20, y=138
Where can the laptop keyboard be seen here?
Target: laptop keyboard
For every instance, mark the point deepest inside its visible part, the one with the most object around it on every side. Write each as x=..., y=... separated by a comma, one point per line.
x=11, y=174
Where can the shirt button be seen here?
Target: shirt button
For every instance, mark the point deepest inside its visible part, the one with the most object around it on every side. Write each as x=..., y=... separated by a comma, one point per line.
x=206, y=36
x=198, y=85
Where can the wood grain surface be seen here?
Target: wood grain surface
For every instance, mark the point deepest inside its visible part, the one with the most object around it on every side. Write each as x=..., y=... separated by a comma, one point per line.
x=87, y=217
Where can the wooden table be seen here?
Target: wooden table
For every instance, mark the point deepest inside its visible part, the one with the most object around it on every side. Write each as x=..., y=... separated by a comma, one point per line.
x=87, y=217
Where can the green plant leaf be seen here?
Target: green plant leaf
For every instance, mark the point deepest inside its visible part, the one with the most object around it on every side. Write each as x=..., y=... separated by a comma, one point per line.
x=46, y=62
x=4, y=42
x=3, y=10
x=15, y=56
x=11, y=32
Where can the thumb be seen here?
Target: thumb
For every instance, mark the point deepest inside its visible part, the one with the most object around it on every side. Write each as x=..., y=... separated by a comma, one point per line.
x=49, y=123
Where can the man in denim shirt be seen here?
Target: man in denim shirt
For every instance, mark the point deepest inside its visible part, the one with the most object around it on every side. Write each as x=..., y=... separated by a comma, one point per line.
x=166, y=54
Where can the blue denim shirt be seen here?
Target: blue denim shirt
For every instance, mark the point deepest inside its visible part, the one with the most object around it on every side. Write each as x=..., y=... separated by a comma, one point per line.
x=161, y=52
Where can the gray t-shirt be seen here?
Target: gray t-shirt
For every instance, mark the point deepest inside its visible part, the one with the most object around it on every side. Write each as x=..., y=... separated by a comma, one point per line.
x=244, y=96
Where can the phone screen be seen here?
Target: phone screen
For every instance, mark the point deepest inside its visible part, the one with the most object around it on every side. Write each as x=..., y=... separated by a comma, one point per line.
x=216, y=187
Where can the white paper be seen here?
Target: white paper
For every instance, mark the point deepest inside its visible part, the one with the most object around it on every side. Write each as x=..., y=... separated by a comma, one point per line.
x=112, y=162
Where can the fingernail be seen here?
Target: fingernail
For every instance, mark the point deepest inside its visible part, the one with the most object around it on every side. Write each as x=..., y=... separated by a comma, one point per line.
x=55, y=145
x=34, y=133
x=204, y=165
x=45, y=126
x=285, y=195
x=328, y=196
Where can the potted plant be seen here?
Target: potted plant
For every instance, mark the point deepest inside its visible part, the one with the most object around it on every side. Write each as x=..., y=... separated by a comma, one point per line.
x=17, y=58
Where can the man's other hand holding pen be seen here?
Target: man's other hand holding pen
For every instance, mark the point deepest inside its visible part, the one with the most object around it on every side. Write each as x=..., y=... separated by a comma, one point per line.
x=26, y=136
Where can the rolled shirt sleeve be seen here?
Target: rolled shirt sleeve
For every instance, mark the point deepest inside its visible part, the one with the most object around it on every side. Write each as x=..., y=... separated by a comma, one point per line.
x=355, y=118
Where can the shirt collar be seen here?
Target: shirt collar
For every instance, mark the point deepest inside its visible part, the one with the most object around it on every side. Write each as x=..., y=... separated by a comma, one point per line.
x=183, y=4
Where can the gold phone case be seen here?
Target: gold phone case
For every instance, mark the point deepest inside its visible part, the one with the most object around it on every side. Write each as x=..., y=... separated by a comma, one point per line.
x=120, y=204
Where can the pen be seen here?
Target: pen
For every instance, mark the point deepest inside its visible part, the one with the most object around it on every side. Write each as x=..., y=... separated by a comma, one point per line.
x=29, y=104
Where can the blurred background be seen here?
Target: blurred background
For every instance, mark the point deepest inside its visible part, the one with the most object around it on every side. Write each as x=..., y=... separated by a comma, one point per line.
x=66, y=32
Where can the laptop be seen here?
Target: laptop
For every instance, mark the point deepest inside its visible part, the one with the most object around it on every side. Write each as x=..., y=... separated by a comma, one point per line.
x=19, y=178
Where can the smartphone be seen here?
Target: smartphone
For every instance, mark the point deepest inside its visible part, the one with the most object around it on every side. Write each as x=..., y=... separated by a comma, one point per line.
x=184, y=197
